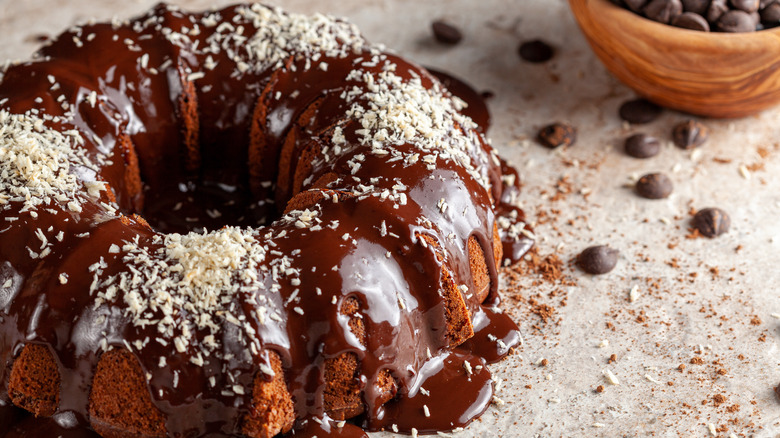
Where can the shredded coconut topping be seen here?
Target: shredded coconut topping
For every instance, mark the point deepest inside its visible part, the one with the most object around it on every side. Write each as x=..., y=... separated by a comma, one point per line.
x=394, y=112
x=190, y=281
x=282, y=35
x=37, y=165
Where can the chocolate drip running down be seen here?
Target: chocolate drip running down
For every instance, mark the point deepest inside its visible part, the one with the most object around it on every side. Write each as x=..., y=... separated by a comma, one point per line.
x=176, y=192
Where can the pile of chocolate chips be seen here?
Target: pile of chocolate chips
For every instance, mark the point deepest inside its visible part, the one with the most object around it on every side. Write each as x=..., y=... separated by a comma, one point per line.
x=709, y=15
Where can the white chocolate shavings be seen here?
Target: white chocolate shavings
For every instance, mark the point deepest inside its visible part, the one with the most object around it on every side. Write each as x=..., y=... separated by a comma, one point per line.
x=192, y=281
x=512, y=227
x=37, y=165
x=279, y=36
x=611, y=377
x=394, y=112
x=634, y=294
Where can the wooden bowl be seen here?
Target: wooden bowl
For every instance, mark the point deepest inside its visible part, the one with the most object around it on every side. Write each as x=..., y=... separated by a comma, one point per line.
x=705, y=73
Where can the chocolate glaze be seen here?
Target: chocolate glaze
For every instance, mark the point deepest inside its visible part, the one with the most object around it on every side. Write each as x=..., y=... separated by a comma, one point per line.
x=514, y=247
x=477, y=109
x=9, y=416
x=326, y=427
x=131, y=101
x=59, y=426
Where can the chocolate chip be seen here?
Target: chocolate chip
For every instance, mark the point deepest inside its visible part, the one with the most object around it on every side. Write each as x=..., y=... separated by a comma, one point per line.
x=639, y=111
x=663, y=11
x=777, y=391
x=689, y=20
x=770, y=15
x=696, y=6
x=736, y=21
x=654, y=186
x=745, y=5
x=536, y=51
x=709, y=15
x=446, y=33
x=690, y=134
x=716, y=10
x=598, y=259
x=711, y=222
x=557, y=134
x=642, y=146
x=487, y=94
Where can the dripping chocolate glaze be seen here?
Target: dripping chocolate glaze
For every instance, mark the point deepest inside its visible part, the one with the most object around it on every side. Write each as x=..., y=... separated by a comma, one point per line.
x=353, y=261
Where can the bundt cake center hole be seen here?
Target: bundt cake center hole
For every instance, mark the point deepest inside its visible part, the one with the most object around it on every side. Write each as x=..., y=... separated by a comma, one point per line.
x=204, y=204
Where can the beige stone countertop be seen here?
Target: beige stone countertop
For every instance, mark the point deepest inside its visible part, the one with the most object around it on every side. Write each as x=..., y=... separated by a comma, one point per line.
x=711, y=305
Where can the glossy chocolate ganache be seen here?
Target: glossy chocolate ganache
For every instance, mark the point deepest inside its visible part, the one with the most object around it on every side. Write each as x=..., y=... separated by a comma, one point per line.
x=245, y=222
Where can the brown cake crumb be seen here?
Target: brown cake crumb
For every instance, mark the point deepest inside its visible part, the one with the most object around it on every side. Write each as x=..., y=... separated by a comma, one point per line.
x=550, y=267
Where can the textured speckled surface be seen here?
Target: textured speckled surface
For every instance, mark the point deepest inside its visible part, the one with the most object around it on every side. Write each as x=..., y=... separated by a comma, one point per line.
x=698, y=298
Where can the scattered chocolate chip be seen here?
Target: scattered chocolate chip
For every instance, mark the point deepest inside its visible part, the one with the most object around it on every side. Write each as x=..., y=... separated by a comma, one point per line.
x=654, y=186
x=536, y=51
x=642, y=146
x=663, y=11
x=598, y=259
x=735, y=21
x=777, y=391
x=689, y=20
x=446, y=33
x=557, y=134
x=711, y=222
x=696, y=6
x=639, y=111
x=690, y=134
x=487, y=94
x=745, y=5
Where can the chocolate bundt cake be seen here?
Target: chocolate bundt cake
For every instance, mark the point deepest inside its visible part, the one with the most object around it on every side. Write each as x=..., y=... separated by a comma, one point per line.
x=240, y=223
